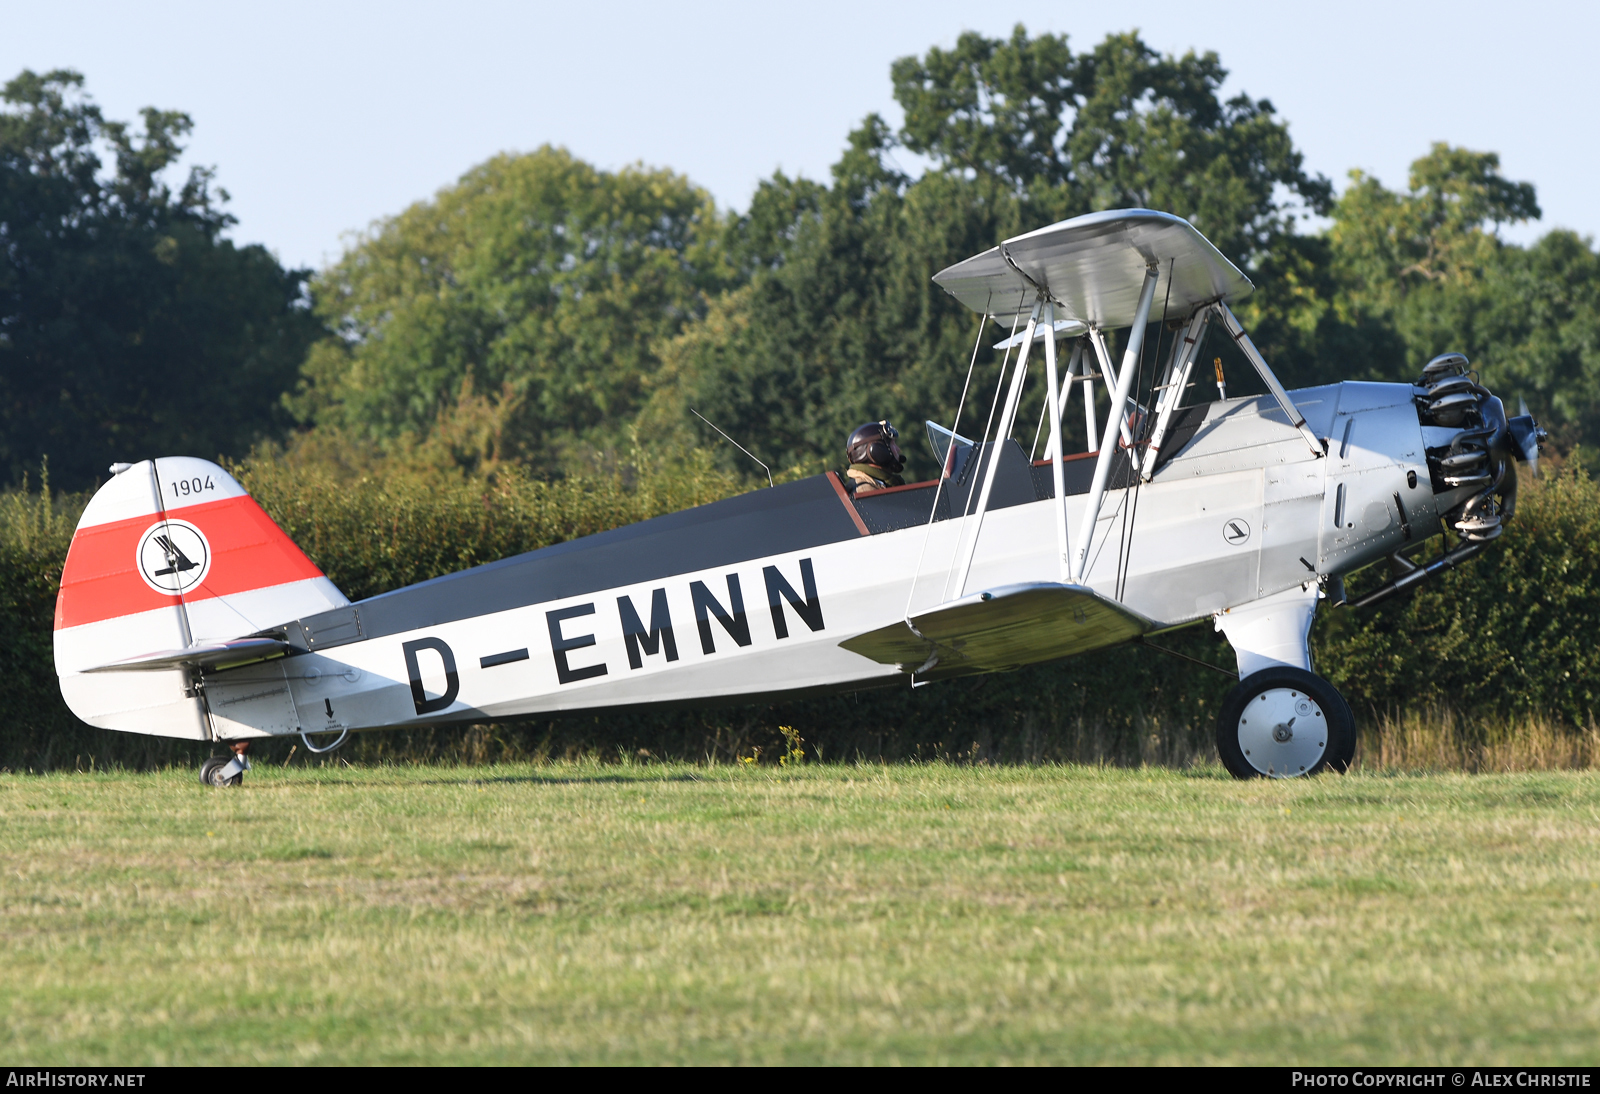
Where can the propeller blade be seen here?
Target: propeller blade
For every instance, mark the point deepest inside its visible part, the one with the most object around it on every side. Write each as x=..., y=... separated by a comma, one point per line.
x=1530, y=446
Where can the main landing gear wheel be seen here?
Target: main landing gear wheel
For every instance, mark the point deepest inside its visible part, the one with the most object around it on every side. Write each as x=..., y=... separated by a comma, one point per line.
x=1282, y=723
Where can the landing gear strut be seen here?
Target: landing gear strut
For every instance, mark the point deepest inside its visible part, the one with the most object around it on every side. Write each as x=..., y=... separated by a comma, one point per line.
x=223, y=771
x=1282, y=723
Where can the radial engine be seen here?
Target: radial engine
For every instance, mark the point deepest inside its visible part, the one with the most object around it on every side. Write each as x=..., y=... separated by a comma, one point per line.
x=1471, y=449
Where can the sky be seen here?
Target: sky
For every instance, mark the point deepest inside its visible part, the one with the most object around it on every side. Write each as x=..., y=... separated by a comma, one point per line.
x=324, y=117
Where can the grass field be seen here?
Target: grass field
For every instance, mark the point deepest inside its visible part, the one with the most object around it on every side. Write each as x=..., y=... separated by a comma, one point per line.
x=841, y=914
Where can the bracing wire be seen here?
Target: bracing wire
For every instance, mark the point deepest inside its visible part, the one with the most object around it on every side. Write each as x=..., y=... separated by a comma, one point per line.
x=731, y=441
x=947, y=462
x=1038, y=430
x=1133, y=452
x=999, y=386
x=1229, y=673
x=1022, y=394
x=966, y=503
x=1131, y=513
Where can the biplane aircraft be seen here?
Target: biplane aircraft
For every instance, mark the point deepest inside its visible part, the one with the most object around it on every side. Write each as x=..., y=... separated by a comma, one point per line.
x=185, y=611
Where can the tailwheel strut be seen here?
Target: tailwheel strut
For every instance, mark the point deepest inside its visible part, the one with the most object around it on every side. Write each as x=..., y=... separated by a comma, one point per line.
x=224, y=770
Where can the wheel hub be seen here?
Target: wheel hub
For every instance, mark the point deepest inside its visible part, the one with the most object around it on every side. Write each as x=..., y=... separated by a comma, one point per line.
x=1283, y=733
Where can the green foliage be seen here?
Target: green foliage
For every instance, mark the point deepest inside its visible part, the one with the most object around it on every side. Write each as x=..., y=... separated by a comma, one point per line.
x=128, y=326
x=1119, y=126
x=35, y=528
x=478, y=317
x=1401, y=277
x=1504, y=637
x=1439, y=234
x=991, y=106
x=535, y=279
x=1538, y=334
x=1511, y=633
x=847, y=327
x=1410, y=275
x=840, y=322
x=1423, y=262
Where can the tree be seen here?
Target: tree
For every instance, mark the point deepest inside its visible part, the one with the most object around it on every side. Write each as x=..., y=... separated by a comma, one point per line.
x=1420, y=260
x=841, y=322
x=536, y=282
x=1429, y=266
x=1442, y=231
x=1538, y=335
x=129, y=327
x=1120, y=126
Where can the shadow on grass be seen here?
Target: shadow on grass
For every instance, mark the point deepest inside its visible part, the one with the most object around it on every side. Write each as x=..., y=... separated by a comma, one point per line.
x=487, y=780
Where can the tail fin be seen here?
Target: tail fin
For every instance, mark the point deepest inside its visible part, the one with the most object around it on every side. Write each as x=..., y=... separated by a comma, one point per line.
x=170, y=554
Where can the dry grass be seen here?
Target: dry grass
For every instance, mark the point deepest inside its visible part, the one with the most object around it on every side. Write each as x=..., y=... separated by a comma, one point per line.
x=843, y=914
x=1441, y=740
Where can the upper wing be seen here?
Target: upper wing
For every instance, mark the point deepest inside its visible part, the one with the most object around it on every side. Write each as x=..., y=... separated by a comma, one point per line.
x=1003, y=628
x=1093, y=266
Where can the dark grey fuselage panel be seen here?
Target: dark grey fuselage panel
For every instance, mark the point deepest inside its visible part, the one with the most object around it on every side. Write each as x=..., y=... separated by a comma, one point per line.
x=792, y=517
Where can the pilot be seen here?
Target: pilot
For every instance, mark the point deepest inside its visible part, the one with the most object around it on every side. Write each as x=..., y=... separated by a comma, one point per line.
x=875, y=458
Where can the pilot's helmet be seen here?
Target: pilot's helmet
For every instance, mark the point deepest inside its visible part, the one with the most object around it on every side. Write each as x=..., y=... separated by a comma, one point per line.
x=874, y=443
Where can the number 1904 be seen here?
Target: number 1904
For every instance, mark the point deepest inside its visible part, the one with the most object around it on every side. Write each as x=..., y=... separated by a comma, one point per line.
x=188, y=487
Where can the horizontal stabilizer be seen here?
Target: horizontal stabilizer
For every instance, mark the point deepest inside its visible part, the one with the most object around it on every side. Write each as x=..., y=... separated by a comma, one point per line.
x=211, y=655
x=1004, y=628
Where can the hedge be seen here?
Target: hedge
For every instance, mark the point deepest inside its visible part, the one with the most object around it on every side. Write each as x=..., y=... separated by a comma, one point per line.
x=1510, y=635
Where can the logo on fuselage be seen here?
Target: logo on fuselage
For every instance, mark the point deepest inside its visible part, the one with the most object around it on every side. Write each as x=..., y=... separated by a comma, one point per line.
x=173, y=557
x=1236, y=532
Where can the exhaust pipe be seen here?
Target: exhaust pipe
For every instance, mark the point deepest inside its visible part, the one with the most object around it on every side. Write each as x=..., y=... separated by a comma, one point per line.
x=1416, y=575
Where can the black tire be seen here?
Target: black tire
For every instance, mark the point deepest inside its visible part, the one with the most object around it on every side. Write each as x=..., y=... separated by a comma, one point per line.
x=210, y=772
x=1341, y=760
x=1252, y=752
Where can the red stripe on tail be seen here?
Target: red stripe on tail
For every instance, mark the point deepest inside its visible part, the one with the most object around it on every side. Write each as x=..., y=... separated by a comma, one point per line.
x=101, y=577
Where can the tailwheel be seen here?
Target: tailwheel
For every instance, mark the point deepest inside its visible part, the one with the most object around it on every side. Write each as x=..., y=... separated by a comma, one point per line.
x=226, y=770
x=1281, y=723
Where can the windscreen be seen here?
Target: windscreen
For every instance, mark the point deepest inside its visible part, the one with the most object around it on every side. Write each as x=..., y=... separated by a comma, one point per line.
x=940, y=439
